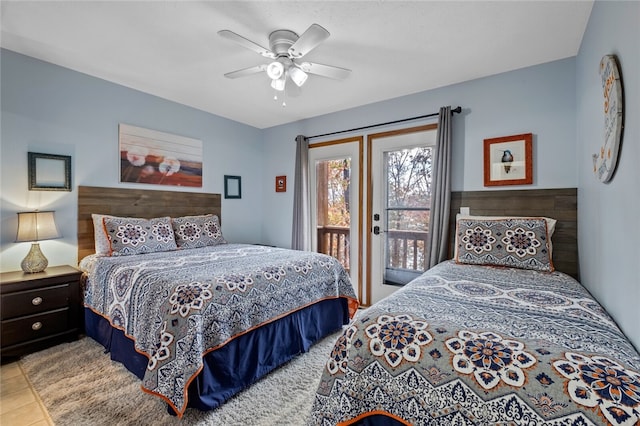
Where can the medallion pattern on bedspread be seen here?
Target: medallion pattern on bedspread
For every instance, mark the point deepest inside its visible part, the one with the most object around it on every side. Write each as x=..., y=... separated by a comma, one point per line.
x=190, y=296
x=490, y=358
x=240, y=282
x=178, y=305
x=397, y=338
x=490, y=346
x=603, y=383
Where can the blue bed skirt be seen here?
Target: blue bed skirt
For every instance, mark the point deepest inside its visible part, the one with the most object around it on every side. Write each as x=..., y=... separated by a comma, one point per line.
x=233, y=367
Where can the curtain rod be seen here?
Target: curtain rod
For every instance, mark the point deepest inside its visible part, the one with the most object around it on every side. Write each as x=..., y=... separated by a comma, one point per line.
x=455, y=110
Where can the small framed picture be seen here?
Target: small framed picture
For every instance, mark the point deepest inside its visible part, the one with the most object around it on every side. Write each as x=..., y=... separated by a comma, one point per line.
x=232, y=186
x=281, y=184
x=508, y=160
x=49, y=172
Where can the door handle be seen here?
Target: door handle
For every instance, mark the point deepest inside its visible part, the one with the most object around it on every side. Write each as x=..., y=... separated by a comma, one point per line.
x=376, y=230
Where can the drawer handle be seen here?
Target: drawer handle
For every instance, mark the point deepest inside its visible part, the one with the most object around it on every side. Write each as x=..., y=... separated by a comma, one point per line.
x=36, y=301
x=36, y=326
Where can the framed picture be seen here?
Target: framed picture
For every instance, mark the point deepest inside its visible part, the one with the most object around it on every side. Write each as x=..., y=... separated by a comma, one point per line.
x=48, y=172
x=232, y=187
x=281, y=184
x=508, y=160
x=159, y=158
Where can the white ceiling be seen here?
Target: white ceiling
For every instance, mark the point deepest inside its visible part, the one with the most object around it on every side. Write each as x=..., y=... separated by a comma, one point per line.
x=171, y=49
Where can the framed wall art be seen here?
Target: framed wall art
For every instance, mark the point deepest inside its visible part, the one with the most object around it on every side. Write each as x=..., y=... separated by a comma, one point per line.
x=606, y=159
x=232, y=186
x=281, y=184
x=49, y=172
x=508, y=160
x=149, y=156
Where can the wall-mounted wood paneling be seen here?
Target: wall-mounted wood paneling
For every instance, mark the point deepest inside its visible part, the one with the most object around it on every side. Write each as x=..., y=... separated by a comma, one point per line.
x=559, y=204
x=137, y=203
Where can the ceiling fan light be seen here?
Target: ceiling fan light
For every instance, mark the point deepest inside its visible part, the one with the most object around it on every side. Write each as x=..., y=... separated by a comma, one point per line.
x=298, y=76
x=278, y=84
x=275, y=70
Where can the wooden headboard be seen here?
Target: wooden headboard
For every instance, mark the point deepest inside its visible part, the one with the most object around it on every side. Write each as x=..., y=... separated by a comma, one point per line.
x=560, y=204
x=137, y=203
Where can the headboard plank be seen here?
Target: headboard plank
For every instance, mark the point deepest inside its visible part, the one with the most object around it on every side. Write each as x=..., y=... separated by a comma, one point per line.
x=560, y=204
x=137, y=203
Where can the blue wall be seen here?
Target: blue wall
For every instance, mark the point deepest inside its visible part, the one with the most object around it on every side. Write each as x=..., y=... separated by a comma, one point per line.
x=561, y=104
x=49, y=109
x=608, y=214
x=54, y=110
x=46, y=108
x=539, y=99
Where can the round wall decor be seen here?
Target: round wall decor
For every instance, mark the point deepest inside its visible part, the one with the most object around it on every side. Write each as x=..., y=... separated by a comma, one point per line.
x=604, y=162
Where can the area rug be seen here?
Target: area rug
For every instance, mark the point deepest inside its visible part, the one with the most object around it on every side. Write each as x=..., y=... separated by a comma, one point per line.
x=80, y=385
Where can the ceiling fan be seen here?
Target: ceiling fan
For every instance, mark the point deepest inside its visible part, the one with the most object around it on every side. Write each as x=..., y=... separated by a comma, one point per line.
x=286, y=50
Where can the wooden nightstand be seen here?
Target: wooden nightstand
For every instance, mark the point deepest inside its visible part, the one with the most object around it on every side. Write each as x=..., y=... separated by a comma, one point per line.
x=39, y=310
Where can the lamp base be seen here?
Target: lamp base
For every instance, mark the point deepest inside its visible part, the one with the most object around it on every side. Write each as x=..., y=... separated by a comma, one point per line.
x=34, y=261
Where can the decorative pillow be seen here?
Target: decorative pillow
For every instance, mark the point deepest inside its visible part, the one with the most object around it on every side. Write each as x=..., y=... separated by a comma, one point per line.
x=102, y=246
x=197, y=231
x=551, y=223
x=514, y=242
x=129, y=236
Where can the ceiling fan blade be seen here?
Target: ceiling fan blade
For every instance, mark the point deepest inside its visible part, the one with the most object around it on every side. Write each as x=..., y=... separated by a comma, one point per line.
x=247, y=43
x=246, y=71
x=330, y=71
x=314, y=35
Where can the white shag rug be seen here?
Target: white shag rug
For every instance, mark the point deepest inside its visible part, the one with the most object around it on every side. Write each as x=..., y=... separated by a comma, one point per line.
x=80, y=385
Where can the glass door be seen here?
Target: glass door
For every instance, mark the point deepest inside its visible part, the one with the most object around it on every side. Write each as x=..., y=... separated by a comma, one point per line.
x=400, y=195
x=335, y=182
x=333, y=208
x=407, y=197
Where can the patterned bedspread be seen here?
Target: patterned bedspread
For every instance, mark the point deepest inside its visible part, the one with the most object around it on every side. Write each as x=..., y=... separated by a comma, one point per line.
x=179, y=305
x=477, y=345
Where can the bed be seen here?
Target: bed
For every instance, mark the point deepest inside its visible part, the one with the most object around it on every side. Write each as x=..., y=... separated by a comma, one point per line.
x=196, y=318
x=493, y=336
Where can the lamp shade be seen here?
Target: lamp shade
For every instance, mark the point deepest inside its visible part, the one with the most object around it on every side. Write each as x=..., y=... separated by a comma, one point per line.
x=275, y=70
x=279, y=83
x=298, y=76
x=36, y=226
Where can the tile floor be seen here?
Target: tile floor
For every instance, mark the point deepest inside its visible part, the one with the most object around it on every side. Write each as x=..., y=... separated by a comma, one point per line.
x=20, y=405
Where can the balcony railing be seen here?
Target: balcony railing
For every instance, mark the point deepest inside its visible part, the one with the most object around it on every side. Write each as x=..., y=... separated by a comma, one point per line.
x=334, y=241
x=407, y=249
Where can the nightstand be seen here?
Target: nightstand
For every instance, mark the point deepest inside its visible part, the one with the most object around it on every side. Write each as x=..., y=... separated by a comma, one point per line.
x=39, y=310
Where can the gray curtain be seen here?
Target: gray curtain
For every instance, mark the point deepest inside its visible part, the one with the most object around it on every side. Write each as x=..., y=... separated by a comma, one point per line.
x=301, y=233
x=441, y=192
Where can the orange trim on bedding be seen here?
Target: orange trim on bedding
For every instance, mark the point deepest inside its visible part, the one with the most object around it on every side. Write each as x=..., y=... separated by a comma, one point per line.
x=118, y=328
x=104, y=229
x=352, y=305
x=373, y=413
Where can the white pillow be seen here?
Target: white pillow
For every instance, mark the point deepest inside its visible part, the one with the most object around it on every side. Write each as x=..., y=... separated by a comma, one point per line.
x=102, y=246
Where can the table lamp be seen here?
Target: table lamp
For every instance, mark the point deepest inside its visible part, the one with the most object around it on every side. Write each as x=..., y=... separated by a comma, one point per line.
x=35, y=226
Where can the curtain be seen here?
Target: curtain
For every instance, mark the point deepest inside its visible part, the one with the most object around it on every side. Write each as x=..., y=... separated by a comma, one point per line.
x=301, y=232
x=438, y=238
